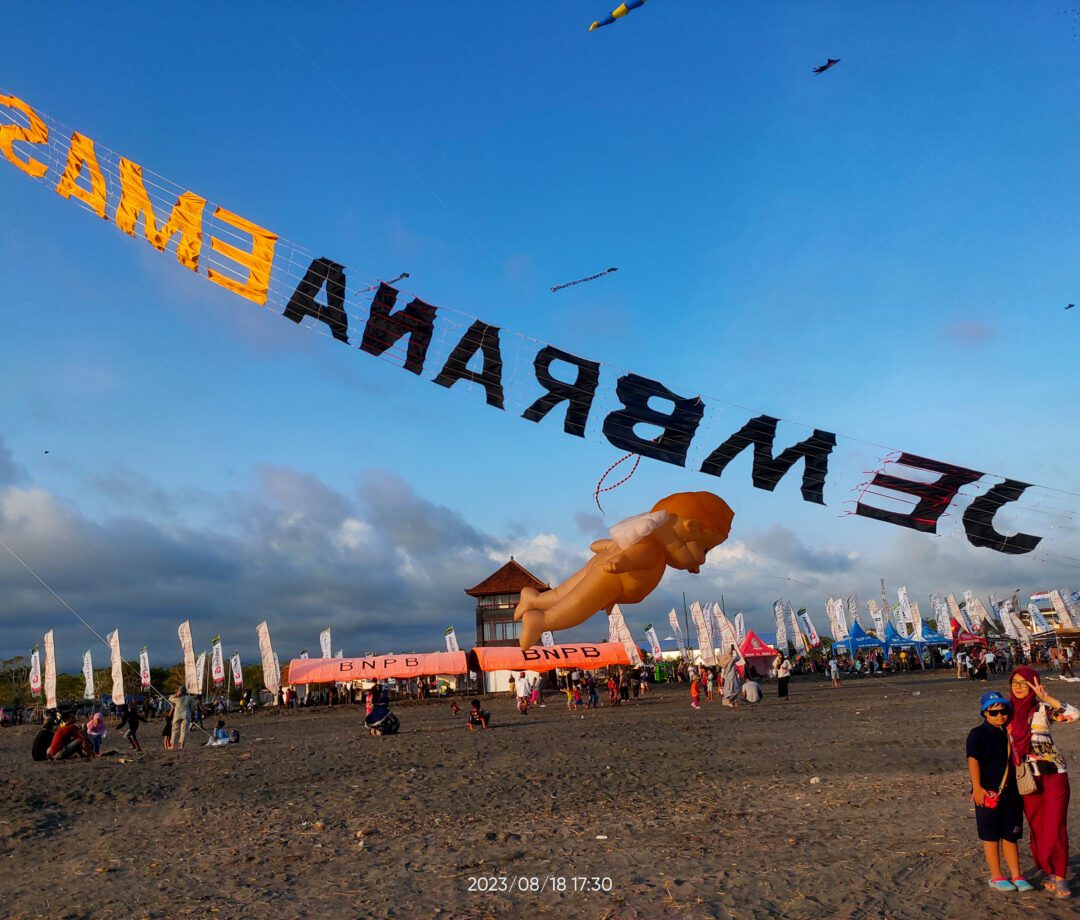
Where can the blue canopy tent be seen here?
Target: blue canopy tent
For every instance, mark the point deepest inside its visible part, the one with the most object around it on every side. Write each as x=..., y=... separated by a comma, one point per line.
x=928, y=636
x=858, y=640
x=893, y=639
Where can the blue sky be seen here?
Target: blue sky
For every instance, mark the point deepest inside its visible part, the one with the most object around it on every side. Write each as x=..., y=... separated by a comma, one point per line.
x=883, y=251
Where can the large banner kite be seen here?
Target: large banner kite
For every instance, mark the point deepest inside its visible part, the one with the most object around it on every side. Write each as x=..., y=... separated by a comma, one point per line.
x=586, y=656
x=582, y=396
x=379, y=667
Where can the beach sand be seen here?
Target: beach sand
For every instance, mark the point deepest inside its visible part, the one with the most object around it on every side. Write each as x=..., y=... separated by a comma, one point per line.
x=688, y=814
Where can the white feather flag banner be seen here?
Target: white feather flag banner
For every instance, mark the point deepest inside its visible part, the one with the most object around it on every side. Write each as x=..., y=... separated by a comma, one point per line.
x=706, y=648
x=144, y=668
x=271, y=670
x=88, y=676
x=50, y=671
x=190, y=677
x=781, y=627
x=116, y=664
x=326, y=645
x=35, y=671
x=676, y=629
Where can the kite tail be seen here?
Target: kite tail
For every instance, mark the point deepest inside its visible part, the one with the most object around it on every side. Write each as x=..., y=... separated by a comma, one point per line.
x=598, y=490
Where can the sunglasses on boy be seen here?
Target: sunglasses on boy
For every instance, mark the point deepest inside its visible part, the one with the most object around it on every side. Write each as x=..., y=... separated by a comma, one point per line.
x=997, y=712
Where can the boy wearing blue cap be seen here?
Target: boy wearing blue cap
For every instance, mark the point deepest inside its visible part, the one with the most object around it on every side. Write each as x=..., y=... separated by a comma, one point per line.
x=999, y=813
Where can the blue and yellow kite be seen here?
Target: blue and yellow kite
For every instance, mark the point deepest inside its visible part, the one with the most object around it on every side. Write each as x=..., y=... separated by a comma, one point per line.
x=618, y=13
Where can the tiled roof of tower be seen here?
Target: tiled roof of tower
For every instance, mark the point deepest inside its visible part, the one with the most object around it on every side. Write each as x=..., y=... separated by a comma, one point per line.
x=510, y=579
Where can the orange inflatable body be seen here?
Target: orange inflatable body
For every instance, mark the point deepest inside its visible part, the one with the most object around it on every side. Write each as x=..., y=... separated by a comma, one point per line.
x=678, y=532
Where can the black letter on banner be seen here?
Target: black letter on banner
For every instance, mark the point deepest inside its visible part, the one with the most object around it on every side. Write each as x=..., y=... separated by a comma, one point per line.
x=479, y=337
x=412, y=662
x=634, y=393
x=979, y=520
x=345, y=666
x=589, y=652
x=530, y=654
x=768, y=470
x=384, y=328
x=578, y=394
x=934, y=497
x=302, y=303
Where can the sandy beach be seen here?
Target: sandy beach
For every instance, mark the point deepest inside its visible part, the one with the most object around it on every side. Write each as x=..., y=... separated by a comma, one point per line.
x=679, y=813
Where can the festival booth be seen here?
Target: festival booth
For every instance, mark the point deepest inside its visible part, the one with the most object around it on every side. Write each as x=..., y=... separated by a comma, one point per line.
x=756, y=653
x=858, y=640
x=583, y=656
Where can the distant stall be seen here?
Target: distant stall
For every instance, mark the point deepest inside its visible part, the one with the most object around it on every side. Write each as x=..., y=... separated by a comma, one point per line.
x=756, y=653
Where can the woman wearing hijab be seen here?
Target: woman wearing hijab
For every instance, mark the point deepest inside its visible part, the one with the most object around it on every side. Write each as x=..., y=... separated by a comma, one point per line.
x=96, y=731
x=1034, y=710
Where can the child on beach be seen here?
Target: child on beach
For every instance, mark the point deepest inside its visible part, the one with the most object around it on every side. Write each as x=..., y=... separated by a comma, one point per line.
x=578, y=702
x=132, y=721
x=695, y=692
x=999, y=813
x=477, y=717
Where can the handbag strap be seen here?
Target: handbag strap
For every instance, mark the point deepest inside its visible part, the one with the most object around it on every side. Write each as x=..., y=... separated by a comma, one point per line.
x=1008, y=762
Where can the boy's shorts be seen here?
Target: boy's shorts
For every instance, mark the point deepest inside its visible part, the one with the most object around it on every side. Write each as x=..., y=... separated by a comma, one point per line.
x=1006, y=822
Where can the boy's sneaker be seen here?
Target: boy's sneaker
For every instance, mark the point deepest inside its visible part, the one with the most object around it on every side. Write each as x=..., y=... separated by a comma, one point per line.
x=1002, y=884
x=1022, y=884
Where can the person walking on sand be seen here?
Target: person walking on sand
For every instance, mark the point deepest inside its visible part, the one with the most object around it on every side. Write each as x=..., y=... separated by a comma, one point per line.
x=783, y=676
x=695, y=691
x=523, y=690
x=834, y=672
x=1046, y=808
x=183, y=703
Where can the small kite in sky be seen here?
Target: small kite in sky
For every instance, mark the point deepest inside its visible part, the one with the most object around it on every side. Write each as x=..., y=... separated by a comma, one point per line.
x=831, y=62
x=559, y=287
x=621, y=10
x=1070, y=306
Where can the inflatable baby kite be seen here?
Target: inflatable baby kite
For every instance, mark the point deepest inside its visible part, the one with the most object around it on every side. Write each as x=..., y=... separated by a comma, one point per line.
x=679, y=531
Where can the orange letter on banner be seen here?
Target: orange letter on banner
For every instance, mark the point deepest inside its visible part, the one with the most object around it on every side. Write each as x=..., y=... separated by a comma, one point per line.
x=258, y=262
x=82, y=154
x=37, y=133
x=185, y=219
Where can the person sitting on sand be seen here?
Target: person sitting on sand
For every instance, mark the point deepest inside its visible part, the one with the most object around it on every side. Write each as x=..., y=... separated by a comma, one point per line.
x=678, y=532
x=70, y=740
x=751, y=691
x=220, y=736
x=478, y=718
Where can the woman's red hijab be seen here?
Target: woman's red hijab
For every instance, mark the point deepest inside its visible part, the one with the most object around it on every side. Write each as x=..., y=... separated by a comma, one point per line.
x=1022, y=711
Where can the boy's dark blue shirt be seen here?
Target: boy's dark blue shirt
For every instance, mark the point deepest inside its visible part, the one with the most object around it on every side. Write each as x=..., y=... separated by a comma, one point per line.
x=989, y=746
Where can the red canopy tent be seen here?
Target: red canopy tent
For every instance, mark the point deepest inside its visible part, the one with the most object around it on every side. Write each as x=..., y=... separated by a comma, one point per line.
x=757, y=653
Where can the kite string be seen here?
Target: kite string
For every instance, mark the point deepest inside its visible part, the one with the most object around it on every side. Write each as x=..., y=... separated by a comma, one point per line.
x=598, y=490
x=74, y=612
